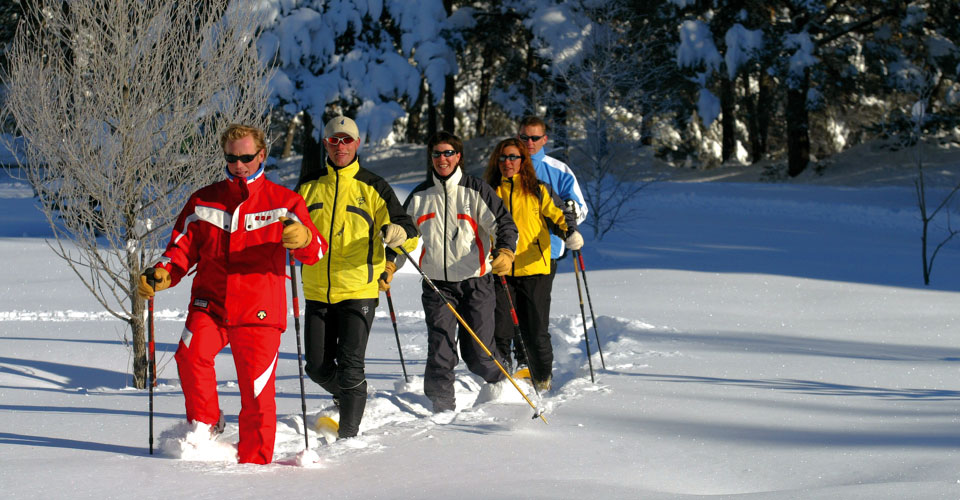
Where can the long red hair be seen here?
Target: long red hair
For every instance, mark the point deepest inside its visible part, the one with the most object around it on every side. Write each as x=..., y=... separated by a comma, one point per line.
x=528, y=177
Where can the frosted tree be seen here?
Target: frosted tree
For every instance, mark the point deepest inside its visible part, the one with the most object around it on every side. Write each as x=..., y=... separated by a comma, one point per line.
x=611, y=87
x=718, y=62
x=363, y=58
x=921, y=72
x=121, y=105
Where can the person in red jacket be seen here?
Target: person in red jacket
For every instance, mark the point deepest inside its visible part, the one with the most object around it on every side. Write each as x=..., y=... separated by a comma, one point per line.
x=233, y=232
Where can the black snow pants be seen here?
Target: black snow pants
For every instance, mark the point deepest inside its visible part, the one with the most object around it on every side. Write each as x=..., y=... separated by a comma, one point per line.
x=335, y=349
x=531, y=296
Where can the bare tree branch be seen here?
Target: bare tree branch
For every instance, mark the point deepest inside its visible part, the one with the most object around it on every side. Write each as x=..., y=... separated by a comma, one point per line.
x=121, y=105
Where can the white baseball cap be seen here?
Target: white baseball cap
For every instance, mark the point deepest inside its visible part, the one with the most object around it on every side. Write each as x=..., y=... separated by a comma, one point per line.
x=341, y=125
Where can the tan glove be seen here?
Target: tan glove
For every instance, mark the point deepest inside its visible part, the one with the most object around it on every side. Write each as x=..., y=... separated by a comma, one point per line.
x=502, y=262
x=163, y=280
x=295, y=234
x=386, y=276
x=574, y=241
x=394, y=235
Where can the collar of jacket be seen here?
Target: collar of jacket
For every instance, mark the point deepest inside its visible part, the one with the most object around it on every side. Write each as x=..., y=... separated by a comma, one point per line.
x=350, y=169
x=512, y=180
x=537, y=158
x=452, y=180
x=253, y=178
x=250, y=183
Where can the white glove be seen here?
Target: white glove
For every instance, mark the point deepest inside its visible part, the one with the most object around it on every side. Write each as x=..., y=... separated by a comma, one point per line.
x=394, y=235
x=574, y=241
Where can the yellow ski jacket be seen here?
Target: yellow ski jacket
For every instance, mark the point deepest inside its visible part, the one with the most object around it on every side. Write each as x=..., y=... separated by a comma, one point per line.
x=535, y=216
x=350, y=206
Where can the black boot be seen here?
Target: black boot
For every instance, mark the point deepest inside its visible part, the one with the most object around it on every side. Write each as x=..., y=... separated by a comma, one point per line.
x=352, y=403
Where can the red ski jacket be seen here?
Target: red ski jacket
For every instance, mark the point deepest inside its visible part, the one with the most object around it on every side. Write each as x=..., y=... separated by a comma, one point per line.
x=230, y=231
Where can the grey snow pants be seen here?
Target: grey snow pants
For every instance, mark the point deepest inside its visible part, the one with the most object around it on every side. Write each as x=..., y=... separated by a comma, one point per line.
x=475, y=300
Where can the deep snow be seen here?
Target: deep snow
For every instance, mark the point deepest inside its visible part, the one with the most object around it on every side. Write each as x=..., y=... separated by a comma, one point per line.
x=762, y=340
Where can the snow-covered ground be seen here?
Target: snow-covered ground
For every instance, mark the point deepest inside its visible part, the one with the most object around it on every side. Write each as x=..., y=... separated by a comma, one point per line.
x=761, y=340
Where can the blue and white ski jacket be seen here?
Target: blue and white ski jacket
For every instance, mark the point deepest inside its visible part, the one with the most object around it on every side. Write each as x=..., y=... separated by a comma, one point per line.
x=560, y=178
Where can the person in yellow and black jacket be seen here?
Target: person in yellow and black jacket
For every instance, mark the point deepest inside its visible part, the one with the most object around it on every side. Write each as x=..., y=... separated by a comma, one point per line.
x=537, y=211
x=358, y=213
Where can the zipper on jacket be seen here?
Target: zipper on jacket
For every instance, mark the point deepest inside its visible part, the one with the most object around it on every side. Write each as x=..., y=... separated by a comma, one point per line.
x=333, y=218
x=542, y=256
x=443, y=186
x=513, y=265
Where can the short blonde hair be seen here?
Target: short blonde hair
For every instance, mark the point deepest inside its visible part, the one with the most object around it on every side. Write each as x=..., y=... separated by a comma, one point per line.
x=237, y=131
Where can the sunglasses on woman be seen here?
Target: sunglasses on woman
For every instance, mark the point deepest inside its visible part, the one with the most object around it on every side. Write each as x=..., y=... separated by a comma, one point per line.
x=447, y=153
x=504, y=158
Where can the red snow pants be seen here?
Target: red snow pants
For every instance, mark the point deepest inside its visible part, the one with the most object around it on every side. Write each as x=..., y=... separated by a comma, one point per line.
x=255, y=351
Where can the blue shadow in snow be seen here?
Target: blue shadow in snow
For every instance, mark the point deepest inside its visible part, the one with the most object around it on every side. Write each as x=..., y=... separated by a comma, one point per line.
x=937, y=436
x=72, y=375
x=837, y=234
x=810, y=387
x=71, y=444
x=805, y=346
x=89, y=410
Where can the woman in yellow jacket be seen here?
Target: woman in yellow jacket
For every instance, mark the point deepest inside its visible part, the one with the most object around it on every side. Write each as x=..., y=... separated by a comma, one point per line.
x=536, y=211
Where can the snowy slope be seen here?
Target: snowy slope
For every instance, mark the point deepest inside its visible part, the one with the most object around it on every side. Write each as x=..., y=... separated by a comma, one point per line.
x=760, y=340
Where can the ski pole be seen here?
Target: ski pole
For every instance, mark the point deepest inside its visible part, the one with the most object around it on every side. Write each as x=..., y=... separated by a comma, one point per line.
x=393, y=318
x=590, y=303
x=536, y=411
x=517, y=334
x=151, y=348
x=296, y=327
x=583, y=315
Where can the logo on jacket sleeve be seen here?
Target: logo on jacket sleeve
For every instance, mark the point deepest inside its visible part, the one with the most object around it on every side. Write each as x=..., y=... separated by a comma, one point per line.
x=261, y=314
x=200, y=303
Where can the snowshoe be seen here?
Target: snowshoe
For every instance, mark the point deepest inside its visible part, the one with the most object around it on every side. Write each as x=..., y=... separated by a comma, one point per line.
x=327, y=427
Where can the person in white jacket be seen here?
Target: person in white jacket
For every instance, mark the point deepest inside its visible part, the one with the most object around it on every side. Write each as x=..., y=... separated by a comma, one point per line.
x=468, y=235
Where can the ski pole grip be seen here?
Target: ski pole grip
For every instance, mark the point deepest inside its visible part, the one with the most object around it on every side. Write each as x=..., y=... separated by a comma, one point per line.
x=150, y=273
x=287, y=222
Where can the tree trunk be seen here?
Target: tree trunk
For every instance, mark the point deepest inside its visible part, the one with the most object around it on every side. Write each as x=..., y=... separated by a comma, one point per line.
x=798, y=125
x=431, y=115
x=137, y=325
x=531, y=90
x=557, y=119
x=449, y=89
x=758, y=109
x=764, y=111
x=449, y=104
x=291, y=132
x=753, y=121
x=486, y=81
x=414, y=116
x=728, y=121
x=312, y=151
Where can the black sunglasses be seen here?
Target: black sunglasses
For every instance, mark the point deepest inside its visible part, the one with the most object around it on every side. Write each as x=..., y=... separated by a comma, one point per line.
x=503, y=158
x=240, y=158
x=448, y=153
x=526, y=138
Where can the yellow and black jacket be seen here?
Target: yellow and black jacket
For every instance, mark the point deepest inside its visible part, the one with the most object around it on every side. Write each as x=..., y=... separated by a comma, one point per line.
x=535, y=215
x=349, y=205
